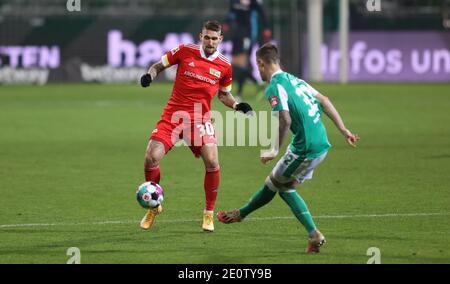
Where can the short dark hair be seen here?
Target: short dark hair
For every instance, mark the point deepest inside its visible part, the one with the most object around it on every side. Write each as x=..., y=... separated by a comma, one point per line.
x=213, y=26
x=268, y=53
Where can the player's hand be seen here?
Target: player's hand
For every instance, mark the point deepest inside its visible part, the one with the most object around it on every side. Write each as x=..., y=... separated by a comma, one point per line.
x=265, y=160
x=268, y=156
x=244, y=108
x=351, y=138
x=146, y=80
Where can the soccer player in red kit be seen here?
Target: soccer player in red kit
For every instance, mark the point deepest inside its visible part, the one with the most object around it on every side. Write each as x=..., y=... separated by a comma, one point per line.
x=202, y=72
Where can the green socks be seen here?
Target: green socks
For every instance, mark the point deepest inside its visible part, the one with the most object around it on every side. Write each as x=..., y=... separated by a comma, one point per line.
x=259, y=199
x=300, y=209
x=292, y=198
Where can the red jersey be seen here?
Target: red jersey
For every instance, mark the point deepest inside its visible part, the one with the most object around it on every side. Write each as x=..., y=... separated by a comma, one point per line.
x=198, y=78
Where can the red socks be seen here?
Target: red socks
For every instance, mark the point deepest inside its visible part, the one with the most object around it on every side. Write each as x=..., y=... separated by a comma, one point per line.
x=152, y=173
x=212, y=180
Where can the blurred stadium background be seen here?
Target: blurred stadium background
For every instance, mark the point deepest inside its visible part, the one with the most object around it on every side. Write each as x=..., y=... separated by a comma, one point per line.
x=71, y=150
x=107, y=40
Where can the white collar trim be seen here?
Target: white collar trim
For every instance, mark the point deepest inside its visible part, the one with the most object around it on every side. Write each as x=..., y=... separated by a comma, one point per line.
x=211, y=57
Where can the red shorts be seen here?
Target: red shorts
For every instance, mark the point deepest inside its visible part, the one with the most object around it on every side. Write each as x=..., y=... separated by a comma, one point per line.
x=194, y=134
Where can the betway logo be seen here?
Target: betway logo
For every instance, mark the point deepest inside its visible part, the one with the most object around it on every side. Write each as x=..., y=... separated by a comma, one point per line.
x=199, y=77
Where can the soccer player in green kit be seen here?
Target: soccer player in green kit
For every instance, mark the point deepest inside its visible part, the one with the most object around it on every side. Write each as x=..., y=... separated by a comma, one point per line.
x=299, y=107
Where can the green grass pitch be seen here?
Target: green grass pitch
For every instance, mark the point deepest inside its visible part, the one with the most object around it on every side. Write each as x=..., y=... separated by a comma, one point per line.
x=71, y=157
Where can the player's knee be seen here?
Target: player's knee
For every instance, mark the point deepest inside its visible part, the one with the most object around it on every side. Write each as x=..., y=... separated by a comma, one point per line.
x=275, y=185
x=212, y=164
x=212, y=169
x=151, y=161
x=210, y=158
x=154, y=153
x=152, y=158
x=270, y=184
x=295, y=184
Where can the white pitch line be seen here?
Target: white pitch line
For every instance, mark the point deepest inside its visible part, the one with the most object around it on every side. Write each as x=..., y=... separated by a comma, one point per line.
x=5, y=226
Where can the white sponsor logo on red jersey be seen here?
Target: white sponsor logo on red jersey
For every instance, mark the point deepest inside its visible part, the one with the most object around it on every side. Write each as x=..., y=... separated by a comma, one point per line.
x=199, y=77
x=214, y=72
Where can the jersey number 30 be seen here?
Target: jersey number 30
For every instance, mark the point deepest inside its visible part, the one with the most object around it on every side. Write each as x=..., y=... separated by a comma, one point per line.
x=207, y=128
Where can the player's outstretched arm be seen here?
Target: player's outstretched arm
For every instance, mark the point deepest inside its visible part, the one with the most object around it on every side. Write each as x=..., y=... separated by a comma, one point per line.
x=333, y=114
x=151, y=74
x=227, y=99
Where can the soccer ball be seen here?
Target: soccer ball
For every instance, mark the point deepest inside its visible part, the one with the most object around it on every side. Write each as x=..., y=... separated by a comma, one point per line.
x=150, y=195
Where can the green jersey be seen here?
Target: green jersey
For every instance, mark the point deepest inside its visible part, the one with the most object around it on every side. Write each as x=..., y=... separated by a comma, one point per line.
x=287, y=92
